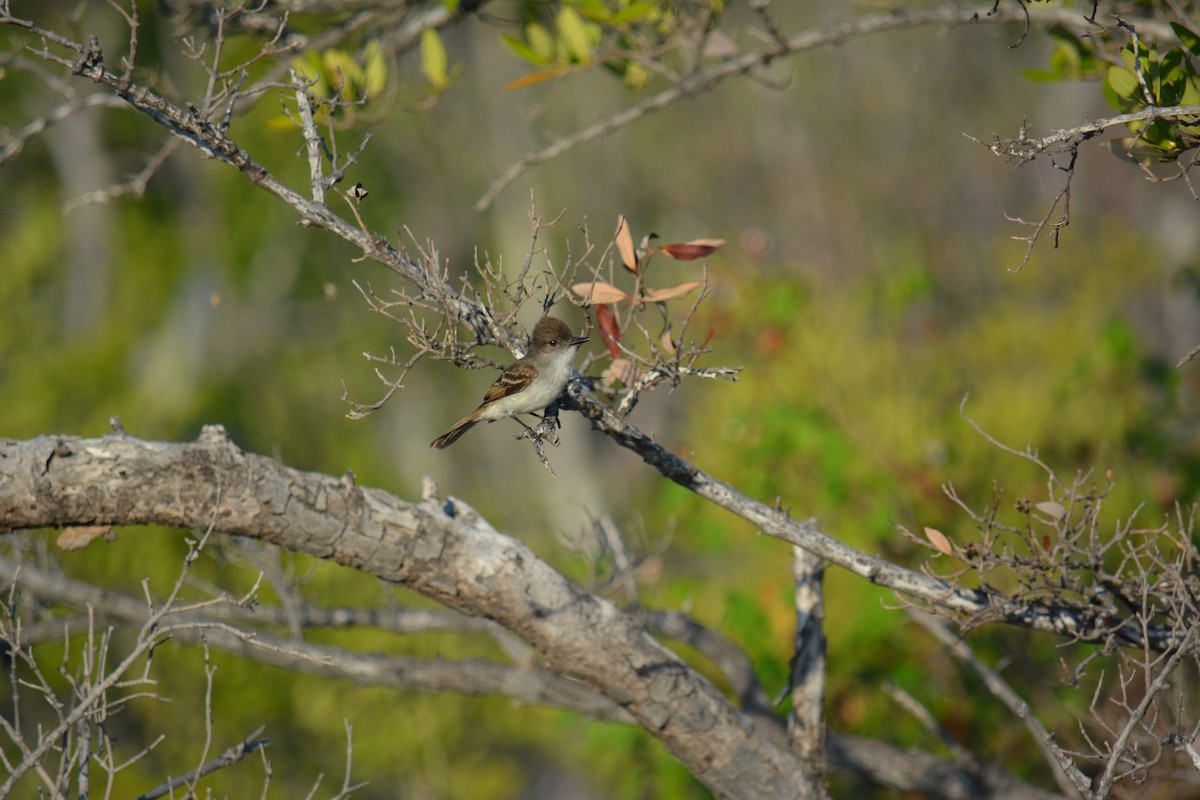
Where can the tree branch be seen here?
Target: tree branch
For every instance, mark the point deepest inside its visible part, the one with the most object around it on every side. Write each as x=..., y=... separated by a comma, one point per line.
x=447, y=552
x=830, y=34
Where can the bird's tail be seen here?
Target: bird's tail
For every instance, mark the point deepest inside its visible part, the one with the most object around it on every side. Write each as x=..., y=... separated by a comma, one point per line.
x=451, y=436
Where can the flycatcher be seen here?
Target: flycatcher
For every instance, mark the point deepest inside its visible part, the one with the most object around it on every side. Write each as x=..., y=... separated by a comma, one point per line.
x=530, y=384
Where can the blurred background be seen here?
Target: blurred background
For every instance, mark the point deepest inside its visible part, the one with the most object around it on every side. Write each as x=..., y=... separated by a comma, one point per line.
x=866, y=288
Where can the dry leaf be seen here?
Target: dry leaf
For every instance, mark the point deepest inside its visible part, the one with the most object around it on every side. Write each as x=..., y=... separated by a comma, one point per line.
x=670, y=293
x=690, y=251
x=668, y=344
x=624, y=241
x=599, y=292
x=610, y=329
x=621, y=370
x=939, y=541
x=1051, y=509
x=80, y=536
x=718, y=44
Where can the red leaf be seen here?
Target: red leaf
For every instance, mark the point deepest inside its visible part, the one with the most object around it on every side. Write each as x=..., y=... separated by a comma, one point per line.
x=690, y=251
x=624, y=241
x=610, y=329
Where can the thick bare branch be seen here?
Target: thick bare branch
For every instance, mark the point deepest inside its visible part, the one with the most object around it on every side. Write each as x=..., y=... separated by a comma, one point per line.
x=449, y=553
x=806, y=723
x=444, y=552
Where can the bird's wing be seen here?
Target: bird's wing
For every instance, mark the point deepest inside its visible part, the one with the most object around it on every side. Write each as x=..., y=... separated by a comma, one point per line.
x=511, y=381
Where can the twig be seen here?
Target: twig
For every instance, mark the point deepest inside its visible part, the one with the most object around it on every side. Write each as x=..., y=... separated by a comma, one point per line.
x=1071, y=781
x=230, y=757
x=1117, y=751
x=924, y=716
x=827, y=35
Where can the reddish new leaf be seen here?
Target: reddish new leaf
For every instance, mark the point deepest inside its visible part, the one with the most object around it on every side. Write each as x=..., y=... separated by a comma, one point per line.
x=535, y=77
x=690, y=251
x=599, y=292
x=624, y=242
x=610, y=329
x=670, y=293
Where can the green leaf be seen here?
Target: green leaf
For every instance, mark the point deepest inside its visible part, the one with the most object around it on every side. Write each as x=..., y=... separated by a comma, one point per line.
x=541, y=41
x=1161, y=134
x=636, y=76
x=433, y=59
x=1146, y=61
x=343, y=71
x=1173, y=77
x=1124, y=83
x=575, y=38
x=523, y=51
x=310, y=67
x=1191, y=91
x=595, y=9
x=636, y=13
x=1187, y=38
x=375, y=71
x=1110, y=95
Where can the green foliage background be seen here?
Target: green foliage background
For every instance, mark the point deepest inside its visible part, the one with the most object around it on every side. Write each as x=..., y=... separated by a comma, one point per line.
x=865, y=289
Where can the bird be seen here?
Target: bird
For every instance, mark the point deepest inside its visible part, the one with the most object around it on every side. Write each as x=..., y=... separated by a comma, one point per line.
x=530, y=384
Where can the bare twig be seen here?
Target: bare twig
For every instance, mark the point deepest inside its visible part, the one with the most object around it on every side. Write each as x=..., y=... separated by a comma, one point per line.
x=1071, y=781
x=234, y=754
x=826, y=35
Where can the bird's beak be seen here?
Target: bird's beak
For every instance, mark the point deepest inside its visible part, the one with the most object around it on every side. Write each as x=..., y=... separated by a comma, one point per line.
x=578, y=340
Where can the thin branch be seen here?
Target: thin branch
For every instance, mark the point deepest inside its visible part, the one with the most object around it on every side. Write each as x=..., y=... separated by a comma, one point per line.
x=827, y=35
x=230, y=757
x=924, y=716
x=134, y=186
x=16, y=142
x=1166, y=672
x=1023, y=149
x=1071, y=781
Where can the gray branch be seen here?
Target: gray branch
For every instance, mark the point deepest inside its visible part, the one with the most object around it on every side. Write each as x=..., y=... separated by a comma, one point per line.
x=462, y=563
x=459, y=560
x=231, y=756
